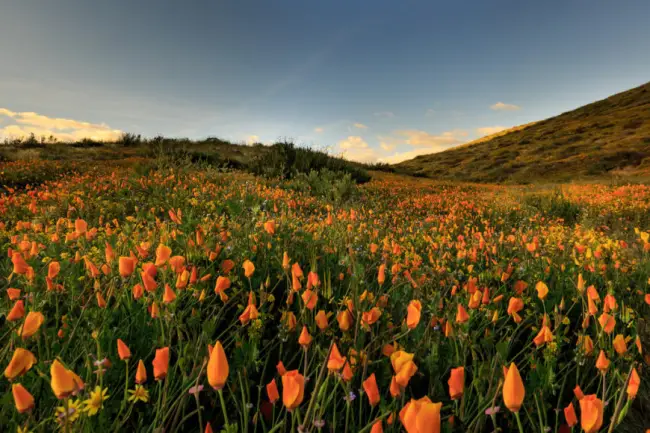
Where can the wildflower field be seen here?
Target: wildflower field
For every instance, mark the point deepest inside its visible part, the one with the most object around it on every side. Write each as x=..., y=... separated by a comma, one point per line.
x=151, y=298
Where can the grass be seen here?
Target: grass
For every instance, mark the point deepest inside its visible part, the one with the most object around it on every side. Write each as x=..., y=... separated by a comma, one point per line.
x=608, y=140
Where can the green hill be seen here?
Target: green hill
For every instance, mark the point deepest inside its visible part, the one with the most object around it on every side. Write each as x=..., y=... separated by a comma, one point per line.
x=605, y=139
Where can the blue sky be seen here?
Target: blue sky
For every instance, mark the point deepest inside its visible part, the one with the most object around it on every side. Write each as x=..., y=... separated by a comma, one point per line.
x=377, y=80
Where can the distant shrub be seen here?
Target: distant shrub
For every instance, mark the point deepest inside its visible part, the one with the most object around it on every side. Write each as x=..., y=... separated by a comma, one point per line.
x=553, y=205
x=326, y=184
x=285, y=160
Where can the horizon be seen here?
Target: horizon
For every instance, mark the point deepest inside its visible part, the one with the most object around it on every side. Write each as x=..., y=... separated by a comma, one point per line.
x=380, y=83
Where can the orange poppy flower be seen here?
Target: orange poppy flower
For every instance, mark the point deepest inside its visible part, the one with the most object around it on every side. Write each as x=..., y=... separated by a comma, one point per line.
x=17, y=312
x=607, y=322
x=310, y=299
x=414, y=312
x=335, y=361
x=126, y=266
x=63, y=381
x=53, y=269
x=272, y=391
x=321, y=320
x=293, y=389
x=633, y=384
x=23, y=400
x=161, y=363
x=370, y=387
x=421, y=416
x=249, y=268
x=403, y=366
x=305, y=339
x=456, y=383
x=591, y=413
x=602, y=363
x=32, y=324
x=513, y=389
x=370, y=317
x=461, y=314
x=570, y=415
x=169, y=296
x=123, y=350
x=542, y=290
x=21, y=361
x=381, y=274
x=163, y=253
x=141, y=373
x=218, y=368
x=344, y=318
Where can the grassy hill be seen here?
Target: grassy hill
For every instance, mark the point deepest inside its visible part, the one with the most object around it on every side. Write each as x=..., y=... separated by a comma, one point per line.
x=606, y=139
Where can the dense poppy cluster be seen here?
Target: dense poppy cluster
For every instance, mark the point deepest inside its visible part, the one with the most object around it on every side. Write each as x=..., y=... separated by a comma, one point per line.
x=193, y=301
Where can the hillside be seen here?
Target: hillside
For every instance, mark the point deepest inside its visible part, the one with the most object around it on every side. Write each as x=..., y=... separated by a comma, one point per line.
x=605, y=139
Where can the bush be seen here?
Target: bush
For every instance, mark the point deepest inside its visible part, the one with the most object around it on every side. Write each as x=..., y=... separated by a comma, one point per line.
x=326, y=184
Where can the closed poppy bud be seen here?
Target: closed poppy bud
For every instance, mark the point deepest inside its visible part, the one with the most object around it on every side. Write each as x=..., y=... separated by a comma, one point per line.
x=21, y=361
x=377, y=428
x=310, y=298
x=321, y=320
x=570, y=415
x=17, y=312
x=22, y=398
x=542, y=290
x=591, y=413
x=456, y=383
x=13, y=293
x=607, y=322
x=381, y=274
x=513, y=389
x=281, y=370
x=218, y=368
x=370, y=387
x=123, y=350
x=161, y=363
x=420, y=416
x=577, y=391
x=32, y=323
x=286, y=262
x=249, y=268
x=305, y=339
x=293, y=389
x=269, y=227
x=141, y=373
x=126, y=266
x=335, y=361
x=169, y=296
x=461, y=314
x=633, y=384
x=602, y=363
x=414, y=311
x=619, y=344
x=62, y=381
x=272, y=391
x=53, y=269
x=344, y=318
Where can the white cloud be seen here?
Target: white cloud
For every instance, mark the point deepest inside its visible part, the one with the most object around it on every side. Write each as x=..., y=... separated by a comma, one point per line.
x=355, y=148
x=384, y=114
x=489, y=130
x=319, y=130
x=423, y=142
x=360, y=126
x=501, y=106
x=25, y=123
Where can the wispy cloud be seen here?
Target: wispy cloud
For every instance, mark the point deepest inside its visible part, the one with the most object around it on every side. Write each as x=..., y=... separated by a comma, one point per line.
x=502, y=106
x=360, y=126
x=319, y=130
x=22, y=124
x=384, y=114
x=430, y=112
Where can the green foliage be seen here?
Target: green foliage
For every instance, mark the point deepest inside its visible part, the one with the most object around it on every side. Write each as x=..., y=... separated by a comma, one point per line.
x=326, y=184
